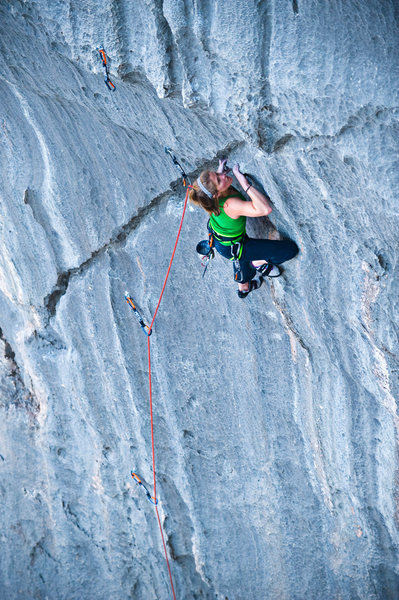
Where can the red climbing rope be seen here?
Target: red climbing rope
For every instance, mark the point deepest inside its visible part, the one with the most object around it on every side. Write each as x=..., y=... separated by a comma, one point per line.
x=173, y=255
x=150, y=391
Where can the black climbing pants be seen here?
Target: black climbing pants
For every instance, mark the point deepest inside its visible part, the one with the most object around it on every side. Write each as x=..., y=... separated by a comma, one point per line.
x=274, y=251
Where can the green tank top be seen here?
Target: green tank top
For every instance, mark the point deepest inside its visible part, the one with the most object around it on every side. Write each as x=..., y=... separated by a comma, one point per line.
x=226, y=226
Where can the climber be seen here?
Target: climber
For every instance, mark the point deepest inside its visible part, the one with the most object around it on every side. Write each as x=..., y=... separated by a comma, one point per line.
x=228, y=210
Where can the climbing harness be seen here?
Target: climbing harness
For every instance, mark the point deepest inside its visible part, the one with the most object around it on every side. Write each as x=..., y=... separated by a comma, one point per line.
x=147, y=330
x=137, y=314
x=229, y=241
x=137, y=478
x=206, y=249
x=107, y=79
x=236, y=247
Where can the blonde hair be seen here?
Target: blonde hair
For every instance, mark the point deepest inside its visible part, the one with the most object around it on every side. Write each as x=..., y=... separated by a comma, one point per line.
x=197, y=196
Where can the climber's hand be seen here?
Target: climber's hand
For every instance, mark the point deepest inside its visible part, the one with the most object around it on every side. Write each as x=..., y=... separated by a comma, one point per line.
x=223, y=168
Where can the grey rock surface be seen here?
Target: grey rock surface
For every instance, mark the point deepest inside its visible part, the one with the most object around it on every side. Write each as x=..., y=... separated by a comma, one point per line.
x=276, y=420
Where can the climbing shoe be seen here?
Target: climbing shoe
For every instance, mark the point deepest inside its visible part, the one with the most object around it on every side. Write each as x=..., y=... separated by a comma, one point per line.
x=253, y=285
x=268, y=270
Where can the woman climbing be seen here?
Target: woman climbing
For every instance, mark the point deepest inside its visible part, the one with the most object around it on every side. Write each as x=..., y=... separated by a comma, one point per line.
x=228, y=211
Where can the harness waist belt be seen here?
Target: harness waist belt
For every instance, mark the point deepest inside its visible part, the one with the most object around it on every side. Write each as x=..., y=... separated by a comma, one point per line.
x=226, y=240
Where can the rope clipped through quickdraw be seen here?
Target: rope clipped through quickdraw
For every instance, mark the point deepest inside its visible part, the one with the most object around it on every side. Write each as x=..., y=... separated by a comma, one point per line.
x=148, y=330
x=178, y=165
x=104, y=60
x=137, y=314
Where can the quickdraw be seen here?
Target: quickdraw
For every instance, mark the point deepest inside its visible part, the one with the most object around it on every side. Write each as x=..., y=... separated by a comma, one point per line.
x=107, y=79
x=176, y=162
x=147, y=330
x=147, y=493
x=236, y=251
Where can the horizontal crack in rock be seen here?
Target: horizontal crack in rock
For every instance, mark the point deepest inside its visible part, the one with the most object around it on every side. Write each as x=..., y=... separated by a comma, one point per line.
x=51, y=301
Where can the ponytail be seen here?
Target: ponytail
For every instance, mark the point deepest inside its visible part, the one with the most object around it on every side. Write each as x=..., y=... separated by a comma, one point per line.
x=198, y=196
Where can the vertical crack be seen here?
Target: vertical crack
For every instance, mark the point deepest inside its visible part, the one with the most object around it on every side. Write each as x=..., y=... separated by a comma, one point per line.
x=22, y=397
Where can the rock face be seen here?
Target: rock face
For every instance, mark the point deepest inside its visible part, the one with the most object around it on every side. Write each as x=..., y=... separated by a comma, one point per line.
x=276, y=421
